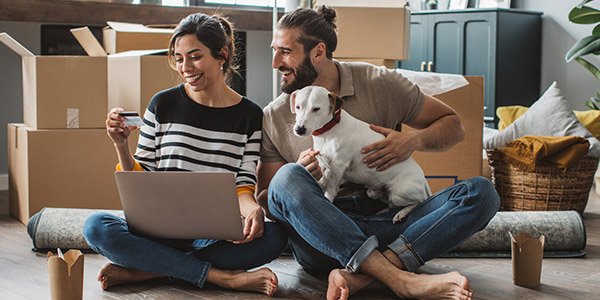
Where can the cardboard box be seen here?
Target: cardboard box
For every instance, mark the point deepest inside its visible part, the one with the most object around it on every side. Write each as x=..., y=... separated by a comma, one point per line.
x=365, y=31
x=464, y=160
x=62, y=91
x=120, y=37
x=71, y=168
x=388, y=63
x=133, y=76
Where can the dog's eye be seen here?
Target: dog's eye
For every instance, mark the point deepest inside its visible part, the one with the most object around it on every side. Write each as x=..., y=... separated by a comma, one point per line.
x=297, y=106
x=316, y=109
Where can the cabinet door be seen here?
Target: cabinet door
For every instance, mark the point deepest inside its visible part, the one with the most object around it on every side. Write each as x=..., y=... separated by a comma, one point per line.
x=418, y=43
x=465, y=43
x=446, y=40
x=480, y=55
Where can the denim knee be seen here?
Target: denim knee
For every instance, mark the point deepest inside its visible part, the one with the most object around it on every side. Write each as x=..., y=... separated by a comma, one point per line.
x=289, y=183
x=486, y=199
x=96, y=230
x=288, y=175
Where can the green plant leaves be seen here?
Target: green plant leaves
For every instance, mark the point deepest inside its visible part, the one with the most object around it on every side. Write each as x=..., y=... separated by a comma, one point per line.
x=584, y=15
x=586, y=64
x=593, y=103
x=586, y=45
x=580, y=5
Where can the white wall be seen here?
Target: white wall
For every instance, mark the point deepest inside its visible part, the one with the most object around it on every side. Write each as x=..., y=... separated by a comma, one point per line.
x=558, y=35
x=11, y=87
x=258, y=63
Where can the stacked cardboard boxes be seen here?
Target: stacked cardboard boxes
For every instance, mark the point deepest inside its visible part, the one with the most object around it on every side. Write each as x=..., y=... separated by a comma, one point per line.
x=61, y=156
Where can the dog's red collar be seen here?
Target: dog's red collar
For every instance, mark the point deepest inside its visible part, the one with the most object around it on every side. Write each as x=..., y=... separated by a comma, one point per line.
x=336, y=119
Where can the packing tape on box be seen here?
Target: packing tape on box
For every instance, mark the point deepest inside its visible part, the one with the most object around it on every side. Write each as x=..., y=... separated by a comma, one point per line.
x=53, y=228
x=564, y=231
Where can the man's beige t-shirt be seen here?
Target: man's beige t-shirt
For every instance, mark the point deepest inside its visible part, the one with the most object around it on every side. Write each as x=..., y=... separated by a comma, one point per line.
x=375, y=95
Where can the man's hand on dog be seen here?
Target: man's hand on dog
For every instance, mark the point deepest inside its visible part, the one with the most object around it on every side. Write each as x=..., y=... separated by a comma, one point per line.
x=309, y=161
x=394, y=148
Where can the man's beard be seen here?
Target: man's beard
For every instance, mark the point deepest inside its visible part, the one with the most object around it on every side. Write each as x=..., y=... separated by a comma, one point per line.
x=304, y=75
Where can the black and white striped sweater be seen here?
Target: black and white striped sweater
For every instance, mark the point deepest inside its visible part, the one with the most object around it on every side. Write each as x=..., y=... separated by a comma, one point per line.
x=180, y=134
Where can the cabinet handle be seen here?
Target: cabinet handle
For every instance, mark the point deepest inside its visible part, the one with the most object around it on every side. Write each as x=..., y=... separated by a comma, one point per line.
x=429, y=66
x=423, y=63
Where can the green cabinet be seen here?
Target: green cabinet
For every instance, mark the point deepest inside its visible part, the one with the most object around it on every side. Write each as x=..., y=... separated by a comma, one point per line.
x=503, y=45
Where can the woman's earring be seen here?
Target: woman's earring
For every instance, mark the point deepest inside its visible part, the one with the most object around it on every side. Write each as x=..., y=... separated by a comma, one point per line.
x=221, y=66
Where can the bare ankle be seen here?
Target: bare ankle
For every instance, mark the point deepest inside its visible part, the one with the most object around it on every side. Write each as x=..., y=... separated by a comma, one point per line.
x=394, y=259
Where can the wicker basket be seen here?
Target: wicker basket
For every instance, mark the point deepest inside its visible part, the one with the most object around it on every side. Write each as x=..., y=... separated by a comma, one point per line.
x=546, y=188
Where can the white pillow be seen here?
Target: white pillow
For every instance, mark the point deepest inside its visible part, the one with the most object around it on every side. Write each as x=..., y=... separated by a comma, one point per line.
x=550, y=115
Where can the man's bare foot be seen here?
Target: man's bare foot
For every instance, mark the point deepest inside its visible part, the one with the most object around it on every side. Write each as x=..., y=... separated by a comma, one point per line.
x=262, y=280
x=342, y=284
x=111, y=274
x=441, y=286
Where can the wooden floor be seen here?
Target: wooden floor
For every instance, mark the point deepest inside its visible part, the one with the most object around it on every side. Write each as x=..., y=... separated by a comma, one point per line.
x=23, y=273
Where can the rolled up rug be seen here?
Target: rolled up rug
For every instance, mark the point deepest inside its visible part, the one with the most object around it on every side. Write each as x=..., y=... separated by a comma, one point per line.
x=564, y=231
x=53, y=228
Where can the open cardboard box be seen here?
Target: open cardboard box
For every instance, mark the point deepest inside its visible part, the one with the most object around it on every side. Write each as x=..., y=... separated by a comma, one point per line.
x=371, y=29
x=464, y=160
x=120, y=37
x=62, y=91
x=70, y=168
x=133, y=76
x=388, y=63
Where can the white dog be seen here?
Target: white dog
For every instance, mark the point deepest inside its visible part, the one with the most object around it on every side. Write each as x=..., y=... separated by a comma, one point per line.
x=339, y=137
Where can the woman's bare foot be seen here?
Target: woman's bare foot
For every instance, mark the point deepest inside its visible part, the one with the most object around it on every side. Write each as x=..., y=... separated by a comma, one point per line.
x=262, y=280
x=342, y=284
x=441, y=286
x=111, y=274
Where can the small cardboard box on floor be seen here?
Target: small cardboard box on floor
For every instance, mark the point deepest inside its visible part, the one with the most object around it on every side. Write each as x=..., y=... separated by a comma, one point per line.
x=62, y=91
x=120, y=37
x=133, y=76
x=463, y=161
x=71, y=168
x=371, y=29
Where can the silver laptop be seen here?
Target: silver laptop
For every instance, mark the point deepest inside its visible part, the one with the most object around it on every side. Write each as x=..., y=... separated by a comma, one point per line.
x=181, y=205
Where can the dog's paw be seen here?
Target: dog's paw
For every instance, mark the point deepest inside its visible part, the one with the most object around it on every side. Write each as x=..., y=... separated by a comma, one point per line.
x=330, y=195
x=375, y=193
x=403, y=213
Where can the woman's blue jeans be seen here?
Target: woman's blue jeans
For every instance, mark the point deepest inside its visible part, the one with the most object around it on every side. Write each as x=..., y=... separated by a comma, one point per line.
x=325, y=235
x=189, y=260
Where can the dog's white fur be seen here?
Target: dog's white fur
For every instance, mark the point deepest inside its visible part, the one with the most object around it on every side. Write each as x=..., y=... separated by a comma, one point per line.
x=340, y=157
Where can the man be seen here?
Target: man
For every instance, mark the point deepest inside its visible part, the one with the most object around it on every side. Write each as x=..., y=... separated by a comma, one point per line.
x=349, y=232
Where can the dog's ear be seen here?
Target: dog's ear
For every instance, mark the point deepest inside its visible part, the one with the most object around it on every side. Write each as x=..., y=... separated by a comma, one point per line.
x=336, y=102
x=293, y=102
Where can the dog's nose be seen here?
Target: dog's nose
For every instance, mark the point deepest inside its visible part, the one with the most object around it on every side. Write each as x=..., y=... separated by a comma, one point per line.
x=300, y=130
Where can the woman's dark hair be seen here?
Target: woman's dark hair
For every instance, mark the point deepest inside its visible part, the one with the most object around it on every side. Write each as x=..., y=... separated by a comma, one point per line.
x=215, y=32
x=315, y=26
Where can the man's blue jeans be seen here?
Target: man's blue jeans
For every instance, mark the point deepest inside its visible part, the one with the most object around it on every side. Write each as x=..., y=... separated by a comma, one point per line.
x=189, y=260
x=325, y=235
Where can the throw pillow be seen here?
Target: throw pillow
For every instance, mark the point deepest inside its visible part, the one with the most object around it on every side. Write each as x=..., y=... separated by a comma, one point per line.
x=590, y=119
x=508, y=114
x=550, y=115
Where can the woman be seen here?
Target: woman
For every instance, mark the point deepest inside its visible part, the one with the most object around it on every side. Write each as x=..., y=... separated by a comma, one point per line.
x=200, y=125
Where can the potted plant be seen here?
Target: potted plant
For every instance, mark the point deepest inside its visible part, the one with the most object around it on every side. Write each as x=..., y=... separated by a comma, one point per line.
x=582, y=14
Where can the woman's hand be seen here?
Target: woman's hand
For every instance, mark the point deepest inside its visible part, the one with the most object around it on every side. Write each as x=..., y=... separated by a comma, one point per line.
x=254, y=225
x=116, y=129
